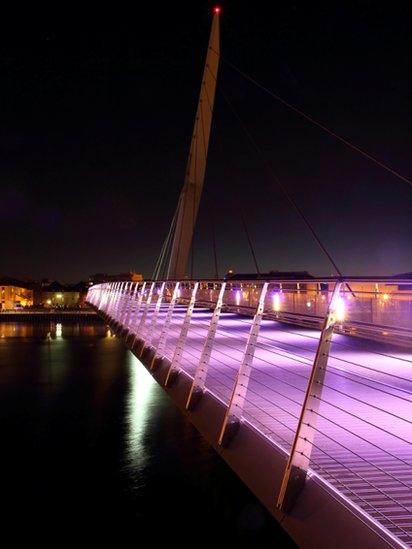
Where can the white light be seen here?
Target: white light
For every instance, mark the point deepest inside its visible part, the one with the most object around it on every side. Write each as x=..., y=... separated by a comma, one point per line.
x=309, y=304
x=340, y=309
x=237, y=297
x=276, y=302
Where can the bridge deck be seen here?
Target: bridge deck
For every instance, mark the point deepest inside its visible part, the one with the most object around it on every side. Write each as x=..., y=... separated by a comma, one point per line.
x=364, y=426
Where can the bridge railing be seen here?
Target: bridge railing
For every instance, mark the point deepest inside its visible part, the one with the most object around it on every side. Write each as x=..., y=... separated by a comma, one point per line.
x=282, y=357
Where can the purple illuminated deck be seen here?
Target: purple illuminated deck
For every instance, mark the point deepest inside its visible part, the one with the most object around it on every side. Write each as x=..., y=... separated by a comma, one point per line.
x=362, y=447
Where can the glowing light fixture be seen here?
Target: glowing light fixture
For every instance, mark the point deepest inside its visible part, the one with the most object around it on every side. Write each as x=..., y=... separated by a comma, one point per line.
x=49, y=302
x=238, y=295
x=276, y=302
x=59, y=296
x=340, y=309
x=308, y=304
x=217, y=9
x=386, y=297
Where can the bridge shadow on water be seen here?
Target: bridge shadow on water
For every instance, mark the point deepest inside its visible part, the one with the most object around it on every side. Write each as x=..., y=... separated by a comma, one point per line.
x=95, y=451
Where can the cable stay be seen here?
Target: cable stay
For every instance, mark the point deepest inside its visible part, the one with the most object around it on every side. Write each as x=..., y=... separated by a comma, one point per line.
x=320, y=125
x=258, y=272
x=285, y=192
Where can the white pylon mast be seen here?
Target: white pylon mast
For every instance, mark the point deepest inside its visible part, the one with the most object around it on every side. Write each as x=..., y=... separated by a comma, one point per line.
x=189, y=199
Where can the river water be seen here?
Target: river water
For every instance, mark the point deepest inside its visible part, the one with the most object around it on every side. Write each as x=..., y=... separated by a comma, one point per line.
x=93, y=451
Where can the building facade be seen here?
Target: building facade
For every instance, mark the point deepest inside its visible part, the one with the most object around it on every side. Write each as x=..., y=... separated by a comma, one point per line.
x=56, y=295
x=13, y=295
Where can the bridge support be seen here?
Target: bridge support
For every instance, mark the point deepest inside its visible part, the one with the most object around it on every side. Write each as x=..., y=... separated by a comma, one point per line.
x=196, y=390
x=235, y=409
x=125, y=304
x=156, y=313
x=130, y=307
x=139, y=330
x=134, y=313
x=299, y=459
x=161, y=345
x=177, y=357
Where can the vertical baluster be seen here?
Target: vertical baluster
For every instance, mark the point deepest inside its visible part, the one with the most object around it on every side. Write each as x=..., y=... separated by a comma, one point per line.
x=142, y=322
x=161, y=345
x=299, y=458
x=177, y=357
x=136, y=309
x=123, y=304
x=155, y=314
x=235, y=409
x=132, y=299
x=198, y=384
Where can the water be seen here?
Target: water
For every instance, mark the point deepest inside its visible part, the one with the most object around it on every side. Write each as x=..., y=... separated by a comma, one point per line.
x=93, y=451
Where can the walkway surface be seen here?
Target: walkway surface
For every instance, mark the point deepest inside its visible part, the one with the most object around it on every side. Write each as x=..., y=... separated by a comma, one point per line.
x=363, y=444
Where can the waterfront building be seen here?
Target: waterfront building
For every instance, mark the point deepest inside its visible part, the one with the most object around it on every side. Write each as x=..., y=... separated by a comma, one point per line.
x=64, y=295
x=14, y=294
x=100, y=278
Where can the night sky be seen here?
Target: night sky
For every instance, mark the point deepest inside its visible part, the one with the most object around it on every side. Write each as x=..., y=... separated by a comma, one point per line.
x=96, y=119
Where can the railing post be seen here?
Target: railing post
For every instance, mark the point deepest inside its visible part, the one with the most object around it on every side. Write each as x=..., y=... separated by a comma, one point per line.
x=177, y=356
x=146, y=309
x=136, y=309
x=115, y=300
x=102, y=295
x=198, y=384
x=235, y=409
x=119, y=301
x=156, y=313
x=130, y=305
x=108, y=297
x=161, y=345
x=124, y=302
x=299, y=459
x=126, y=298
x=113, y=289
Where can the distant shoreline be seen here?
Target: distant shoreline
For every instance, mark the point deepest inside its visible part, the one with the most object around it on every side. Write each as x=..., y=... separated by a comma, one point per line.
x=53, y=315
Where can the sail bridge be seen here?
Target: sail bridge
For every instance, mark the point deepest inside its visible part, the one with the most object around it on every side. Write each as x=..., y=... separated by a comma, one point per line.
x=303, y=386
x=177, y=247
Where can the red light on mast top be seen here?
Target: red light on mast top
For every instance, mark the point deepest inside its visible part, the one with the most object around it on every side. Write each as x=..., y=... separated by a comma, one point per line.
x=217, y=9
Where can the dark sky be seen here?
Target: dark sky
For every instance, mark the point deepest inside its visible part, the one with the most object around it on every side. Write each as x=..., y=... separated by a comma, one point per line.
x=97, y=113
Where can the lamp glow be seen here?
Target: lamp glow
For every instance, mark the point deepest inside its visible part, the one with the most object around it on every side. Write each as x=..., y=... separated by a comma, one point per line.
x=340, y=309
x=276, y=302
x=238, y=297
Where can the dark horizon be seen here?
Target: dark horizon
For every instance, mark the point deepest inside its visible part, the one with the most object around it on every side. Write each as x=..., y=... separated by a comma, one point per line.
x=97, y=121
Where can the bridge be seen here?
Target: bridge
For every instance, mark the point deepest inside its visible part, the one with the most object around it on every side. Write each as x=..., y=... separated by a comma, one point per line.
x=303, y=386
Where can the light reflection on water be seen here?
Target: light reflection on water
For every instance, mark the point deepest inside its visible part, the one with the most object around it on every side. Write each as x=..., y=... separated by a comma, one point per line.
x=92, y=446
x=141, y=391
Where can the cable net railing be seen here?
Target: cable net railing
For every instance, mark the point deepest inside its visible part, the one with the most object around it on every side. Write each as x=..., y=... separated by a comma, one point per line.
x=321, y=368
